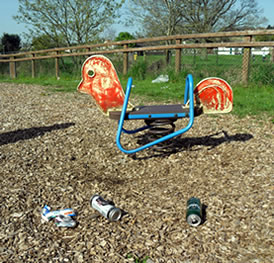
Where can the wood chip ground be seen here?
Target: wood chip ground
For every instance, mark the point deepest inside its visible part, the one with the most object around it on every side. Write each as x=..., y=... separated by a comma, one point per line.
x=58, y=149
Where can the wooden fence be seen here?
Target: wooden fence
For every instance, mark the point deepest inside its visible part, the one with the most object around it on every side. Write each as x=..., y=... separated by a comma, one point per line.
x=237, y=39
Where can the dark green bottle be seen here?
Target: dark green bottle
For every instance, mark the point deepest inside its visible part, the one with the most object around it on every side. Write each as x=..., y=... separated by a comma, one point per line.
x=194, y=211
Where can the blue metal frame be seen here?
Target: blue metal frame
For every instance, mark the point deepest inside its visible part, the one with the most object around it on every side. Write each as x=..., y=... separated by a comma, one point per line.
x=188, y=96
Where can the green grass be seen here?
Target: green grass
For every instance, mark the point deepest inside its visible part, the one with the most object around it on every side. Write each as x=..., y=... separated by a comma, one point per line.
x=161, y=92
x=254, y=99
x=65, y=84
x=137, y=259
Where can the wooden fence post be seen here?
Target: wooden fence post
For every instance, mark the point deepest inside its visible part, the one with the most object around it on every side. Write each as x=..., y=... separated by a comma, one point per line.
x=12, y=68
x=125, y=60
x=57, y=66
x=167, y=56
x=88, y=49
x=178, y=57
x=246, y=61
x=33, y=71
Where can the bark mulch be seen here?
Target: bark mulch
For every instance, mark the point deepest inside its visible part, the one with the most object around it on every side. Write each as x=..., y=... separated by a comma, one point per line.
x=58, y=149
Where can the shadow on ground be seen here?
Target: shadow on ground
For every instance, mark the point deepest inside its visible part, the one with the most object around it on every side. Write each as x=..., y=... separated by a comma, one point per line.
x=26, y=134
x=182, y=144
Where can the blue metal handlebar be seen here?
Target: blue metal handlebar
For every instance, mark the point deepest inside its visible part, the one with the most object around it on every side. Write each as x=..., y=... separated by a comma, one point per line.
x=188, y=96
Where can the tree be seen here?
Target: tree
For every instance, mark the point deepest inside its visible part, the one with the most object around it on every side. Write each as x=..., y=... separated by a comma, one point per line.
x=221, y=15
x=124, y=36
x=44, y=42
x=68, y=21
x=10, y=43
x=156, y=17
x=167, y=17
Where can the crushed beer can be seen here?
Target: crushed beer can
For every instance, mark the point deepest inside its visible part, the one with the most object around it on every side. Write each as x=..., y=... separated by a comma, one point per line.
x=105, y=208
x=194, y=212
x=64, y=221
x=62, y=218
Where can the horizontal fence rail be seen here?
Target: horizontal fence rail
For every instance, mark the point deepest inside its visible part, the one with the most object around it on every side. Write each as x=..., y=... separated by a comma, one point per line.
x=242, y=39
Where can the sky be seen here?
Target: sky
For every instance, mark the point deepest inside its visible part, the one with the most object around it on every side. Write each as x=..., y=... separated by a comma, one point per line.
x=9, y=8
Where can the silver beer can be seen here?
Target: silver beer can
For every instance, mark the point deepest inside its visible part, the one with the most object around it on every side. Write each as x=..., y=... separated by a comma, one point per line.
x=105, y=208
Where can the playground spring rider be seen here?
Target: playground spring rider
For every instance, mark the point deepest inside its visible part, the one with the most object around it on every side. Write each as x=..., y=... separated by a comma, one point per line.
x=100, y=80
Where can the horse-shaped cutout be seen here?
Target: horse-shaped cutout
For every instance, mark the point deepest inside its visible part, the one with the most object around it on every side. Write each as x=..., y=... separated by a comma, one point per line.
x=100, y=80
